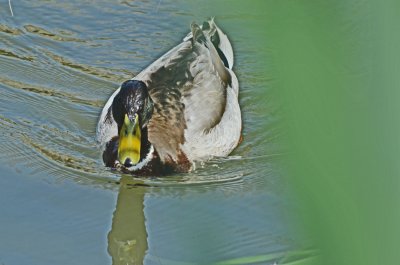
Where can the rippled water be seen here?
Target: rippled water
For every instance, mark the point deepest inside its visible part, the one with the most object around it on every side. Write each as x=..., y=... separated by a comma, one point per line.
x=59, y=62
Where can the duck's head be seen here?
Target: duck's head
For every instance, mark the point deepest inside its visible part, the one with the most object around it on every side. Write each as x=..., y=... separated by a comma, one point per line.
x=132, y=108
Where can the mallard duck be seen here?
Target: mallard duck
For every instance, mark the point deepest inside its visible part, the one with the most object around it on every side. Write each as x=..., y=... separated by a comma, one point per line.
x=181, y=109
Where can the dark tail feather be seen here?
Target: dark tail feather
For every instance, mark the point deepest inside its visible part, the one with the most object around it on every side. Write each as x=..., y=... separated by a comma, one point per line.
x=197, y=33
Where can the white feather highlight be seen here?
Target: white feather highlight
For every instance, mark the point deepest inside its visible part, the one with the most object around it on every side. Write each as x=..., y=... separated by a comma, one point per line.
x=107, y=130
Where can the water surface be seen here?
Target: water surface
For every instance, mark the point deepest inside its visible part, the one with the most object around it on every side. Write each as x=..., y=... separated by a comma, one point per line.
x=59, y=62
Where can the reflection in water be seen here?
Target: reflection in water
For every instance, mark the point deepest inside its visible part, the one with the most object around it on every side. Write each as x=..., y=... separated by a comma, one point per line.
x=127, y=240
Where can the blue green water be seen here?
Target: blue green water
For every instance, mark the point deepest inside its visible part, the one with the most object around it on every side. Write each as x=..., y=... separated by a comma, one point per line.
x=59, y=62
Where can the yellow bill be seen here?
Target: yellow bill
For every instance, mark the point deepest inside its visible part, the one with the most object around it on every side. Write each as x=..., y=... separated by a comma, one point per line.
x=129, y=141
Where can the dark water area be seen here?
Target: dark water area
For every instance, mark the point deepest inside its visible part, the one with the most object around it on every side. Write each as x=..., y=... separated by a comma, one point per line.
x=59, y=63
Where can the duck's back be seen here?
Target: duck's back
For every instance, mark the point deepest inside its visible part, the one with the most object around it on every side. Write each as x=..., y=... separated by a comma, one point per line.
x=195, y=93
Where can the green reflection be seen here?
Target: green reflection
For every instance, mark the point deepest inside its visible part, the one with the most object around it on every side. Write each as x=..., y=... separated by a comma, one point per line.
x=127, y=240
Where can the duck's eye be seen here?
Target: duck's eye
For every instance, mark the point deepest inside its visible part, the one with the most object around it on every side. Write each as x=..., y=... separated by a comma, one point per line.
x=126, y=132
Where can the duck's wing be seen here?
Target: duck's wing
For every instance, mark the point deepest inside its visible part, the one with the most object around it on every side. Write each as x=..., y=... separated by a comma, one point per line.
x=188, y=87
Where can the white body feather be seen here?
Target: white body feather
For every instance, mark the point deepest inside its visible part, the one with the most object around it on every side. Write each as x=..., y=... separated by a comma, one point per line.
x=224, y=137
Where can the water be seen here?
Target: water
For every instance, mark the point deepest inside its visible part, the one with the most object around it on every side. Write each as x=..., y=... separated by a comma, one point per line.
x=59, y=62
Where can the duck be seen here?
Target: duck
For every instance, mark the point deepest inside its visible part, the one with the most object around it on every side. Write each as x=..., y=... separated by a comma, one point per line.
x=181, y=109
